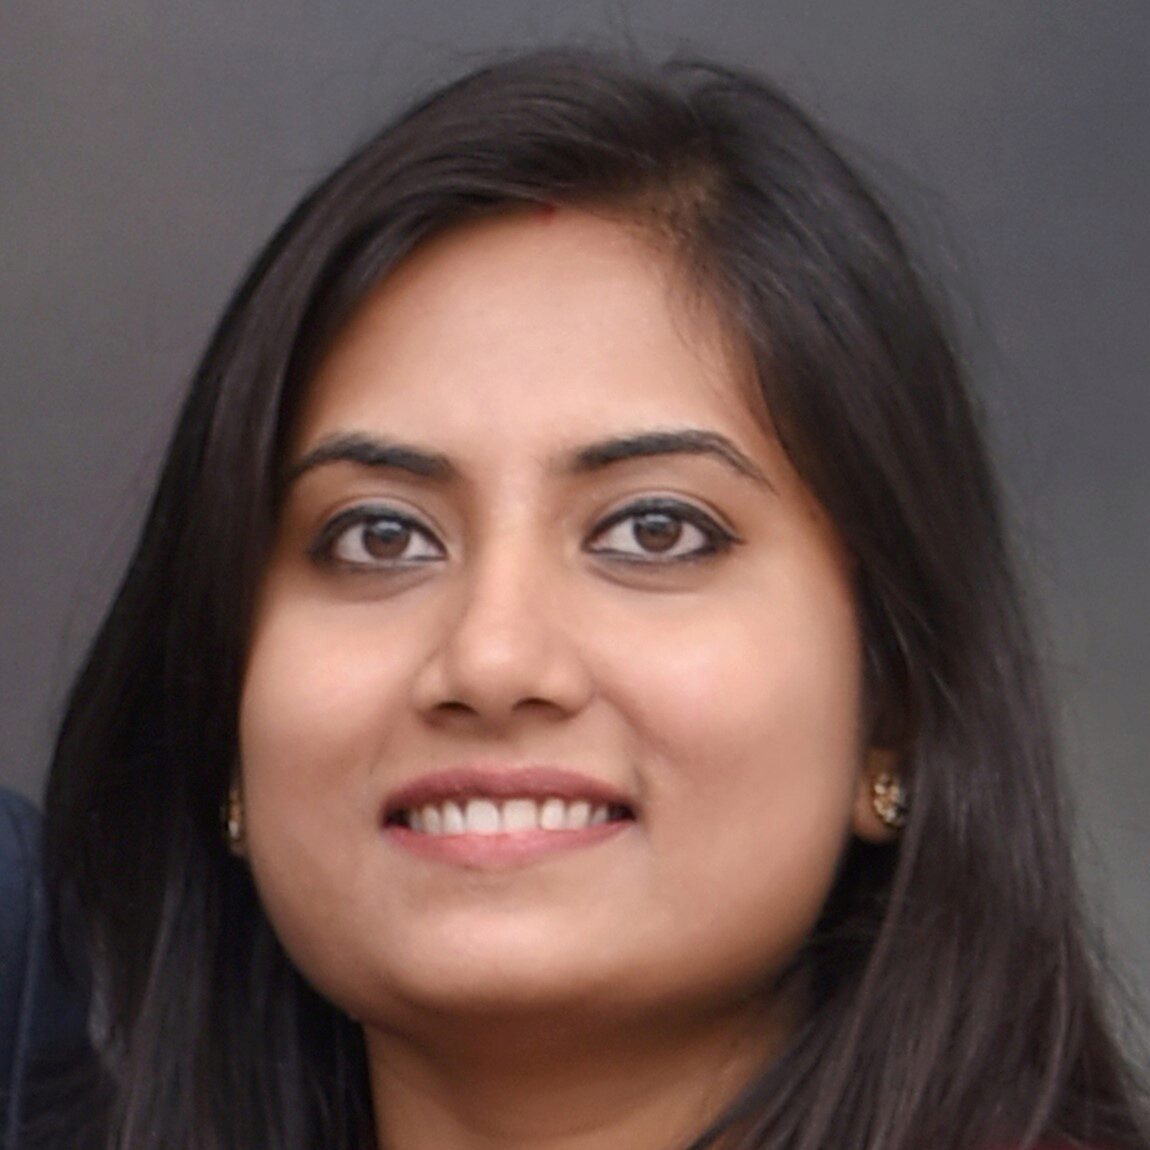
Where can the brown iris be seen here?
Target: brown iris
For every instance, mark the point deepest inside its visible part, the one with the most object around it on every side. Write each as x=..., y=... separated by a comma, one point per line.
x=657, y=531
x=386, y=538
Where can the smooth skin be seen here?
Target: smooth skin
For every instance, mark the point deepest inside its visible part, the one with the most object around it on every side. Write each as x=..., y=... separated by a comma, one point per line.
x=587, y=553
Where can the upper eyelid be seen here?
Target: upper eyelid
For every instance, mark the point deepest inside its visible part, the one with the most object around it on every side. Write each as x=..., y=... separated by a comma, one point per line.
x=370, y=507
x=339, y=521
x=358, y=512
x=690, y=510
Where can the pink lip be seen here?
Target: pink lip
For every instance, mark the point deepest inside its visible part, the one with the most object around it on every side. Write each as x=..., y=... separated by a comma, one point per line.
x=501, y=850
x=493, y=782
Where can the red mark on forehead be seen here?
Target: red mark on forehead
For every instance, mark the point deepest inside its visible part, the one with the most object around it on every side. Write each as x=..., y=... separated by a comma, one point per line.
x=547, y=212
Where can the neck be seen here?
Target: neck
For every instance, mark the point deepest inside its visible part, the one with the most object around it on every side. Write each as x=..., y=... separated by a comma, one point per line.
x=511, y=1083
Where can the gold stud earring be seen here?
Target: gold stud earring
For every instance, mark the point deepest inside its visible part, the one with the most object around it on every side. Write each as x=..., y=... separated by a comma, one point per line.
x=889, y=799
x=233, y=813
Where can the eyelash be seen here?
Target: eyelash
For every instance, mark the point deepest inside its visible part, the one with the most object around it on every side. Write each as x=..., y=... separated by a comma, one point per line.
x=325, y=549
x=716, y=539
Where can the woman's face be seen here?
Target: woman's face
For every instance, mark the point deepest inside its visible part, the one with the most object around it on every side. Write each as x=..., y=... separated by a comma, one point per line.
x=554, y=691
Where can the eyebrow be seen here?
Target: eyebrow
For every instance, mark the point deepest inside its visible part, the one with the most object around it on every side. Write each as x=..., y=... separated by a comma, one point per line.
x=686, y=441
x=378, y=454
x=382, y=454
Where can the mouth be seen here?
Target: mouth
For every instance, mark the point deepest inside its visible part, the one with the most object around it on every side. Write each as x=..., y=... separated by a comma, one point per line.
x=494, y=816
x=481, y=813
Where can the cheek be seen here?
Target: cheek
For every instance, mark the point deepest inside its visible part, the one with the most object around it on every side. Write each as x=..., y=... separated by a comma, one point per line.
x=762, y=694
x=752, y=723
x=321, y=692
x=320, y=703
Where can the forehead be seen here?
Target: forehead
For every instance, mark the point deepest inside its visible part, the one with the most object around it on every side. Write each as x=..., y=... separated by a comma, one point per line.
x=538, y=324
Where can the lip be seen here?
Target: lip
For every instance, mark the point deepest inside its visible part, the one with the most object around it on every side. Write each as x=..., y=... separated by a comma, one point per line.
x=495, y=782
x=502, y=782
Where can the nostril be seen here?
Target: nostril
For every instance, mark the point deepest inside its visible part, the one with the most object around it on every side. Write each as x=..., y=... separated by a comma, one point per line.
x=454, y=707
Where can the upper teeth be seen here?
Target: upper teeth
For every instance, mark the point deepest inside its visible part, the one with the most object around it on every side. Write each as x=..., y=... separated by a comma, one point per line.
x=493, y=817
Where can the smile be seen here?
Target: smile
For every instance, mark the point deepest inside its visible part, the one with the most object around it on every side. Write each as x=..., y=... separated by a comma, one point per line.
x=497, y=815
x=485, y=816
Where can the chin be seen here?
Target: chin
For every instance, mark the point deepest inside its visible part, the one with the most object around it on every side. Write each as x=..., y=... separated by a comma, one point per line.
x=476, y=975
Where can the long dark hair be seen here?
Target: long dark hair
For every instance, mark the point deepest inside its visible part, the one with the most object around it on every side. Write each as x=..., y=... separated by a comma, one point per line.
x=954, y=1002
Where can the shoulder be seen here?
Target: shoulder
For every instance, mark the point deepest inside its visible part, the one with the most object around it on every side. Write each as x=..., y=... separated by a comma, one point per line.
x=19, y=834
x=42, y=1010
x=21, y=907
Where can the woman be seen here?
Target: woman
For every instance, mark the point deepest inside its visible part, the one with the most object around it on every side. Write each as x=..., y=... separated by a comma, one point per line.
x=577, y=580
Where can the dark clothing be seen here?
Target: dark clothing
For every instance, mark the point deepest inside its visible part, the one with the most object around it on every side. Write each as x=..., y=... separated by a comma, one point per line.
x=42, y=1010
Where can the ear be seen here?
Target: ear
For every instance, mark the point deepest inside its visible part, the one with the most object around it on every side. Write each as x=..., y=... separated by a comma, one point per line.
x=866, y=822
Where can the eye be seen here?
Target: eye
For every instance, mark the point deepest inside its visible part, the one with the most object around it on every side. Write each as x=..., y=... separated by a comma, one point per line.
x=373, y=538
x=660, y=531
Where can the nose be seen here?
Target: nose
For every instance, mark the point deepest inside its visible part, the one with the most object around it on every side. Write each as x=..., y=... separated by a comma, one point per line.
x=505, y=647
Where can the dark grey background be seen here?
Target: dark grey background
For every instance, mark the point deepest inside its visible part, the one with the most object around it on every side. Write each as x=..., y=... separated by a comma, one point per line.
x=148, y=146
